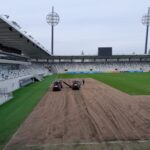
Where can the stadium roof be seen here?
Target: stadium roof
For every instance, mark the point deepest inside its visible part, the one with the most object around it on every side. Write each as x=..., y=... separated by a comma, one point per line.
x=11, y=35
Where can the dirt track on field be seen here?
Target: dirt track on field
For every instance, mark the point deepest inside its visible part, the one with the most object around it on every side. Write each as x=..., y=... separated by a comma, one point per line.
x=96, y=113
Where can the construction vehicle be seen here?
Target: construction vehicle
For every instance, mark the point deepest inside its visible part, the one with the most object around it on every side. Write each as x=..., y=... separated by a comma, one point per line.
x=57, y=85
x=76, y=85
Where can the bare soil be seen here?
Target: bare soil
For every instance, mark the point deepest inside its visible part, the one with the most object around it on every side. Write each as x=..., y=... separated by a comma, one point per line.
x=97, y=113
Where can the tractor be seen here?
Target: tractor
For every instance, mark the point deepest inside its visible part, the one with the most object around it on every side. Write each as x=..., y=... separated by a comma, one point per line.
x=76, y=85
x=57, y=85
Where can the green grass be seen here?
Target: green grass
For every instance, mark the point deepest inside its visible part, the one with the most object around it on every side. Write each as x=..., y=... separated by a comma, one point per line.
x=14, y=112
x=131, y=83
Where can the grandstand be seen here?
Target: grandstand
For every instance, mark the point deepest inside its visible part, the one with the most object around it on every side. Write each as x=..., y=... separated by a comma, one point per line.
x=23, y=60
x=91, y=68
x=16, y=51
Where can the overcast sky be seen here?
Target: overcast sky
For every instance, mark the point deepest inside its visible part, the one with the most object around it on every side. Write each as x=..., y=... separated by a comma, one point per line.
x=84, y=24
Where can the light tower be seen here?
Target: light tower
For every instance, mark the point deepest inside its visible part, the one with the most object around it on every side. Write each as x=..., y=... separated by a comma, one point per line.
x=53, y=20
x=146, y=21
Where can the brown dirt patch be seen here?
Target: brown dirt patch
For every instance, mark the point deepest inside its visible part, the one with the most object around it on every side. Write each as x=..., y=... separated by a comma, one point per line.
x=96, y=113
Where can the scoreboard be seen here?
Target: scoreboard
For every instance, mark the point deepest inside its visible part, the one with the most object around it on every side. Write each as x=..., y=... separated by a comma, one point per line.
x=105, y=51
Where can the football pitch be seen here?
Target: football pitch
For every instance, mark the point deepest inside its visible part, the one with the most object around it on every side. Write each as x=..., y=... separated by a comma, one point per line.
x=14, y=112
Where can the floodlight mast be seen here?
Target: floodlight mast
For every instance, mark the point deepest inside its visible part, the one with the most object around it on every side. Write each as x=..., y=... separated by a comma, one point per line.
x=52, y=36
x=52, y=19
x=146, y=21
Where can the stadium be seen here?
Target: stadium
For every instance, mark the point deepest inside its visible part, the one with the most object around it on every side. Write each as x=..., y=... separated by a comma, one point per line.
x=110, y=111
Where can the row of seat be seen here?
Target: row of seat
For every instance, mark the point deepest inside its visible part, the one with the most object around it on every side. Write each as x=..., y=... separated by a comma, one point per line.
x=8, y=72
x=100, y=67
